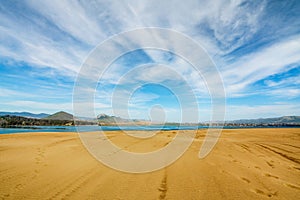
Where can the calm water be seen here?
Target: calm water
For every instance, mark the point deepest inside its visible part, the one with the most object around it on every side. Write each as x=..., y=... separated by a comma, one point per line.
x=90, y=128
x=106, y=128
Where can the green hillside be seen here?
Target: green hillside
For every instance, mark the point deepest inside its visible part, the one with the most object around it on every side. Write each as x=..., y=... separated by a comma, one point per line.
x=60, y=116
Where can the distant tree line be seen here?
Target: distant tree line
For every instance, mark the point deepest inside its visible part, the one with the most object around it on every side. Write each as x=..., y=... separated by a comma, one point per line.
x=8, y=121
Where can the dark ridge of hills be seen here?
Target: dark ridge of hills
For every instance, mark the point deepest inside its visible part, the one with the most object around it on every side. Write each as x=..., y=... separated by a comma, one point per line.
x=57, y=119
x=8, y=121
x=25, y=114
x=61, y=115
x=104, y=119
x=275, y=120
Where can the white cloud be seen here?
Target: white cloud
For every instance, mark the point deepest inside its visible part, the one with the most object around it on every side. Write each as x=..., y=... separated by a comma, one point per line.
x=294, y=80
x=261, y=64
x=37, y=106
x=35, y=48
x=71, y=17
x=92, y=22
x=263, y=111
x=285, y=92
x=13, y=93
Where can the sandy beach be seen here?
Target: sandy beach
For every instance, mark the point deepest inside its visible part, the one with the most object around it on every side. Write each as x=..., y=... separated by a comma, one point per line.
x=245, y=164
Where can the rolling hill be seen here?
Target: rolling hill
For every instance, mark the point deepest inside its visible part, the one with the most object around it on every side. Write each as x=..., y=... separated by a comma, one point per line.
x=25, y=114
x=61, y=115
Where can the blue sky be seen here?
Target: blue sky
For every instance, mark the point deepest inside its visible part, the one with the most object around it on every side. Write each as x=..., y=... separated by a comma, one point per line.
x=254, y=44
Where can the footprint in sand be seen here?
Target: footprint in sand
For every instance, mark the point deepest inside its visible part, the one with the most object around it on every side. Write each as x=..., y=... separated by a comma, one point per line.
x=39, y=161
x=266, y=193
x=246, y=180
x=271, y=176
x=257, y=167
x=163, y=187
x=292, y=186
x=270, y=164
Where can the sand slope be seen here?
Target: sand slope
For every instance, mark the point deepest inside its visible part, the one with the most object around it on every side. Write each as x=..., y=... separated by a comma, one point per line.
x=245, y=164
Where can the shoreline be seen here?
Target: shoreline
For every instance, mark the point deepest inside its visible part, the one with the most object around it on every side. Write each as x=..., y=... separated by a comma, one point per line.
x=92, y=128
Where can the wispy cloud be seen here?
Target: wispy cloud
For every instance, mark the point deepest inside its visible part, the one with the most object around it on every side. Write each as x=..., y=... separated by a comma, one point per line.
x=44, y=43
x=252, y=67
x=36, y=106
x=263, y=111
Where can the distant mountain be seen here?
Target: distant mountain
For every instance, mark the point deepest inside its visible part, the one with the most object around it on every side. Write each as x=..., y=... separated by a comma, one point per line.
x=60, y=116
x=104, y=119
x=25, y=114
x=276, y=120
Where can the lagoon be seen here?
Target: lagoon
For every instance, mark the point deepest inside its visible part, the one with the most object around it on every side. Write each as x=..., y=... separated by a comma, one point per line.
x=88, y=128
x=91, y=128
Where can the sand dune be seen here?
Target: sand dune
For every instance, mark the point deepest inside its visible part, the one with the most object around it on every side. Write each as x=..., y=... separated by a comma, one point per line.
x=245, y=164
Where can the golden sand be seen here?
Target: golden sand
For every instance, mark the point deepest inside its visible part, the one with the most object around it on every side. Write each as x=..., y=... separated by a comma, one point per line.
x=245, y=164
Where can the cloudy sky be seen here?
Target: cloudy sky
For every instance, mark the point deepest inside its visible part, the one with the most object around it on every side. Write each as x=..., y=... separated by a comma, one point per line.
x=255, y=46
